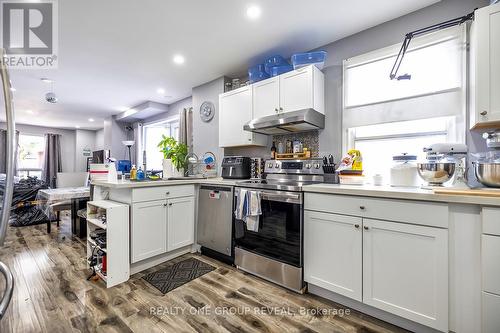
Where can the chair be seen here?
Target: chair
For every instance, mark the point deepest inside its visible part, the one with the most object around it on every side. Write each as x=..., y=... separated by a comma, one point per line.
x=66, y=179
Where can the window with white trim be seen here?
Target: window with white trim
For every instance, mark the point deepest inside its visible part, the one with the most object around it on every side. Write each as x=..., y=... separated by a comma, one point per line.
x=152, y=134
x=383, y=117
x=30, y=156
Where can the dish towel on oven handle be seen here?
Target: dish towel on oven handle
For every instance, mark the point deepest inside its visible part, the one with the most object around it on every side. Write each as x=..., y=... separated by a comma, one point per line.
x=248, y=209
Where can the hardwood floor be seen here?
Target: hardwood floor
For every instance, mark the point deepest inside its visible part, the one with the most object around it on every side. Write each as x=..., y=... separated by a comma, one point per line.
x=52, y=295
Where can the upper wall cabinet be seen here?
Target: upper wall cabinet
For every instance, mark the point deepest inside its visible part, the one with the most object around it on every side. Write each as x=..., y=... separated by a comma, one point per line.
x=485, y=67
x=296, y=90
x=235, y=110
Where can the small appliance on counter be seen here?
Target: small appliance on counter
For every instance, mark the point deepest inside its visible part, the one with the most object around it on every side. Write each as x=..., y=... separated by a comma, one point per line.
x=444, y=161
x=487, y=165
x=236, y=167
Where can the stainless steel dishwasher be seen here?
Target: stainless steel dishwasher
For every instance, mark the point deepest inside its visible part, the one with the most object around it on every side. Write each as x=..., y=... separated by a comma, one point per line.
x=215, y=221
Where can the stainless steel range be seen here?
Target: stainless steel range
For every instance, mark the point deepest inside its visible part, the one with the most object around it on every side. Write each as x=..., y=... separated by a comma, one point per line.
x=275, y=251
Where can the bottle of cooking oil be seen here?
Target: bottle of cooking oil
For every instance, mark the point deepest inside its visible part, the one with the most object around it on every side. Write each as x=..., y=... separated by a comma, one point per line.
x=133, y=173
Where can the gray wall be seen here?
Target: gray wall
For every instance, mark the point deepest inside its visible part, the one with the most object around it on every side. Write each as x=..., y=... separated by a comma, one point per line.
x=83, y=140
x=206, y=135
x=114, y=134
x=383, y=35
x=99, y=139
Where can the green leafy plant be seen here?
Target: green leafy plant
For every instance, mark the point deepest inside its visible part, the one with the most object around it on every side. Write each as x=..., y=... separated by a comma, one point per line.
x=173, y=150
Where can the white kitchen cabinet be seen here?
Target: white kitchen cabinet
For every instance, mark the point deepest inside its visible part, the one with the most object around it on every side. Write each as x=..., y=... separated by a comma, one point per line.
x=491, y=313
x=148, y=229
x=302, y=89
x=180, y=221
x=332, y=253
x=235, y=110
x=292, y=91
x=485, y=67
x=405, y=271
x=266, y=97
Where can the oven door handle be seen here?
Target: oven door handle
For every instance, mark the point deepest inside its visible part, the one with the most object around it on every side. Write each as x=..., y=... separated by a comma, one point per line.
x=282, y=197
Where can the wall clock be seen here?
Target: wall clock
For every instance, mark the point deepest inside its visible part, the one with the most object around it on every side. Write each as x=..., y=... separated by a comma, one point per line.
x=207, y=111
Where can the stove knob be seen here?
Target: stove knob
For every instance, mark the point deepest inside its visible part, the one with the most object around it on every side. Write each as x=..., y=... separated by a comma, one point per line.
x=277, y=165
x=269, y=165
x=308, y=166
x=316, y=165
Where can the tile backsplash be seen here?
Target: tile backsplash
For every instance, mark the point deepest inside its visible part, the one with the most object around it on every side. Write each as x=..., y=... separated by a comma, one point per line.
x=309, y=140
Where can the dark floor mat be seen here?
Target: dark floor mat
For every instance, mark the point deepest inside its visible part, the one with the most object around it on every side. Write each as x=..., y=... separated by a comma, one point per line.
x=174, y=276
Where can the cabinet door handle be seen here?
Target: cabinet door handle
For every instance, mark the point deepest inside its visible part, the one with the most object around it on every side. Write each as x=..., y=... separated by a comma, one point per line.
x=362, y=207
x=484, y=113
x=165, y=205
x=281, y=109
x=276, y=110
x=168, y=193
x=366, y=227
x=170, y=204
x=356, y=226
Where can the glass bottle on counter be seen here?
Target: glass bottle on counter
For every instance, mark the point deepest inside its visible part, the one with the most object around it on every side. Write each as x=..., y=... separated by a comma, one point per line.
x=273, y=151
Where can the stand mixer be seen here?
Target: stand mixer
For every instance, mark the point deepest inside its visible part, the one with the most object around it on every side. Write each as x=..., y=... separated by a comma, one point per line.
x=444, y=161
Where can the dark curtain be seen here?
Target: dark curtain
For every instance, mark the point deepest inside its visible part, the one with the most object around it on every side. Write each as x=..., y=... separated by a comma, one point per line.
x=3, y=151
x=52, y=159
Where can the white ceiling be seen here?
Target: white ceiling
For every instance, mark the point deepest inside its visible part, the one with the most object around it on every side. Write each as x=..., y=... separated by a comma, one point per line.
x=116, y=53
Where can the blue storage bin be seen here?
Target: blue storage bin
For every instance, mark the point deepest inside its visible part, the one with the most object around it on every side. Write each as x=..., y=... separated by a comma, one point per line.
x=277, y=70
x=274, y=61
x=257, y=73
x=310, y=58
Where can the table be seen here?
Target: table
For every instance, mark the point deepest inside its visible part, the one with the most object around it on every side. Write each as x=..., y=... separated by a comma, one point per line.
x=78, y=197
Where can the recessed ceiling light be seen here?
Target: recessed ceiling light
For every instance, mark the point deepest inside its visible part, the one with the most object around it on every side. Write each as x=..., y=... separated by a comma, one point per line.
x=46, y=80
x=178, y=59
x=91, y=120
x=12, y=89
x=253, y=12
x=77, y=126
x=160, y=91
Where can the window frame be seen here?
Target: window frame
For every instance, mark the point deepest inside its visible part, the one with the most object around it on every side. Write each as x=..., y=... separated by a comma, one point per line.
x=28, y=170
x=456, y=129
x=143, y=143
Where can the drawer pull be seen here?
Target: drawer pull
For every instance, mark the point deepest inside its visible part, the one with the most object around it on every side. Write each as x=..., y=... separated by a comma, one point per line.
x=356, y=226
x=484, y=113
x=170, y=204
x=362, y=207
x=168, y=193
x=366, y=227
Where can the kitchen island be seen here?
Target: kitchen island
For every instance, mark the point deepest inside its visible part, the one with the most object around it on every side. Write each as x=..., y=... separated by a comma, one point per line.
x=162, y=216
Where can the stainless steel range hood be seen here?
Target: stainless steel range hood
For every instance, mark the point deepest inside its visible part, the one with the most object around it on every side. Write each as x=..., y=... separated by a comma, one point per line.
x=289, y=122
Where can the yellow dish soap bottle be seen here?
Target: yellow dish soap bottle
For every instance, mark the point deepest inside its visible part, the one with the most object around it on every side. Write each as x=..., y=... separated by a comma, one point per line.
x=133, y=173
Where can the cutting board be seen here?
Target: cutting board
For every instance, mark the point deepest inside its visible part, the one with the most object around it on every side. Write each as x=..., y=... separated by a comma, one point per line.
x=474, y=192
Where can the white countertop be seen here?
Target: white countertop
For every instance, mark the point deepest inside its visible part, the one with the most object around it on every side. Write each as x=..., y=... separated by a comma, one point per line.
x=404, y=193
x=140, y=184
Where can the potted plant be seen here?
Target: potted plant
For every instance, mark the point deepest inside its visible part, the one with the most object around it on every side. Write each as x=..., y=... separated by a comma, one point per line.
x=174, y=157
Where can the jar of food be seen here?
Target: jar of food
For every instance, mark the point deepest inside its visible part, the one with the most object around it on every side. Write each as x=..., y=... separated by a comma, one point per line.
x=404, y=171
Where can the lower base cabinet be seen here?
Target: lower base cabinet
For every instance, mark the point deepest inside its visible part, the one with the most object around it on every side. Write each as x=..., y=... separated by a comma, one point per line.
x=396, y=267
x=160, y=226
x=180, y=217
x=148, y=230
x=332, y=254
x=491, y=313
x=405, y=271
